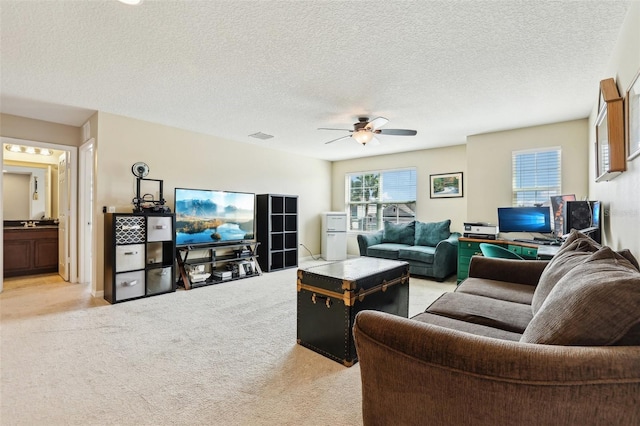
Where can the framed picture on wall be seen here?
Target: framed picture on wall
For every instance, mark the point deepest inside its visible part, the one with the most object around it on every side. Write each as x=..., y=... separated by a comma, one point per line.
x=632, y=118
x=446, y=185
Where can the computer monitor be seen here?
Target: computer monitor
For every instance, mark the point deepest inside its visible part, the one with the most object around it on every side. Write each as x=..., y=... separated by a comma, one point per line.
x=524, y=219
x=595, y=214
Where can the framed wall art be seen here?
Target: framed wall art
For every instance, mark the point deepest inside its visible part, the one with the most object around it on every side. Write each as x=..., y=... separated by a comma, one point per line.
x=446, y=185
x=610, y=150
x=632, y=118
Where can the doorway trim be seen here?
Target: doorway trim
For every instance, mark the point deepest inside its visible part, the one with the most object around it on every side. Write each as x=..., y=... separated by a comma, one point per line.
x=85, y=210
x=73, y=198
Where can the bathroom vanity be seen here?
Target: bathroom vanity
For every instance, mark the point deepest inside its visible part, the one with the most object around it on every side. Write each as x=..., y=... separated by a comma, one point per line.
x=30, y=250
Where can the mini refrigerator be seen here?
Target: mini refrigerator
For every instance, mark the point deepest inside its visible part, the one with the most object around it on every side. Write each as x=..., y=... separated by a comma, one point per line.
x=334, y=236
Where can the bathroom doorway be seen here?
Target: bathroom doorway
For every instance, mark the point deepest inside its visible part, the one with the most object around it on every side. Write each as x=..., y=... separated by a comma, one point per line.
x=49, y=192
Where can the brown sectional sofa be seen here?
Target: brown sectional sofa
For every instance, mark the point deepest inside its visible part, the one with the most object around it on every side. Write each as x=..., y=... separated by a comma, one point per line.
x=519, y=342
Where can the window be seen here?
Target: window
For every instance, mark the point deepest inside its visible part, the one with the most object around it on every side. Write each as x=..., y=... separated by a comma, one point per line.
x=536, y=176
x=375, y=197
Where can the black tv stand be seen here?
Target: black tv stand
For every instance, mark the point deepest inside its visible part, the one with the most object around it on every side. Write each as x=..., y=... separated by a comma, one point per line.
x=217, y=263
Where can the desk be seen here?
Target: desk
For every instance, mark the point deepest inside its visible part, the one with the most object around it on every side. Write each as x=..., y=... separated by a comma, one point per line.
x=547, y=252
x=469, y=247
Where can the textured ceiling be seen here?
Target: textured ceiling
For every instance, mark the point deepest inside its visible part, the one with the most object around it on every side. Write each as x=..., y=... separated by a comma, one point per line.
x=447, y=69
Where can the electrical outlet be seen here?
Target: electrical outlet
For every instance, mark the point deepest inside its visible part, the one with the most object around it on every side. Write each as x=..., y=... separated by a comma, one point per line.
x=112, y=209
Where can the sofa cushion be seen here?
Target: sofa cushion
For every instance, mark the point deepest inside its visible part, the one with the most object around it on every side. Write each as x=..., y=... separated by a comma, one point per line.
x=430, y=234
x=467, y=327
x=577, y=235
x=400, y=233
x=481, y=310
x=571, y=254
x=595, y=304
x=385, y=250
x=511, y=292
x=418, y=253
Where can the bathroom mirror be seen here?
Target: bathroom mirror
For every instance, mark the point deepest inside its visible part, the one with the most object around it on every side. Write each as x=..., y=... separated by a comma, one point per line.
x=24, y=194
x=27, y=190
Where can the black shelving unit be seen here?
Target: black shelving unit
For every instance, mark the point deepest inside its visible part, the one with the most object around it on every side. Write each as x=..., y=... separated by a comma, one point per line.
x=204, y=265
x=139, y=255
x=277, y=231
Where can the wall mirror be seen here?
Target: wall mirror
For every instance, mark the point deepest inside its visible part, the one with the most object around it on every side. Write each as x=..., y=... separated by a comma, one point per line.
x=29, y=183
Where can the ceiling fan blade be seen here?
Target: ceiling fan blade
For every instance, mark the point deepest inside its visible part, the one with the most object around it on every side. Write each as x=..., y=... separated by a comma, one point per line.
x=339, y=139
x=377, y=122
x=329, y=128
x=397, y=132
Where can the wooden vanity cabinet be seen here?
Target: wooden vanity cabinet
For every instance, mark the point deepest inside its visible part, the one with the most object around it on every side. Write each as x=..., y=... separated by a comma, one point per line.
x=29, y=251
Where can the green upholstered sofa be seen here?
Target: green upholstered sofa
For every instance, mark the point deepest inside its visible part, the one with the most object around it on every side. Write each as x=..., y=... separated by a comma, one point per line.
x=520, y=342
x=430, y=248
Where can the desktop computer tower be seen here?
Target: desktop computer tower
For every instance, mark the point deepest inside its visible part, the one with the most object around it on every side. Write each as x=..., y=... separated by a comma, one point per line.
x=581, y=215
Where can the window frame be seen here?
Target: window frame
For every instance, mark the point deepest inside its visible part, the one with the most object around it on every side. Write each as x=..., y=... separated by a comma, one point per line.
x=380, y=204
x=550, y=190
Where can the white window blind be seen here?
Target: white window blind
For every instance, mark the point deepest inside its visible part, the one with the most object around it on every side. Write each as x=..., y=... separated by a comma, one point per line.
x=536, y=176
x=378, y=196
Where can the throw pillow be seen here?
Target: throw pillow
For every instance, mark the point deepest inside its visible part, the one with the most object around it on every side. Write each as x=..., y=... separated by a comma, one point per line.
x=400, y=233
x=577, y=235
x=430, y=234
x=595, y=304
x=573, y=252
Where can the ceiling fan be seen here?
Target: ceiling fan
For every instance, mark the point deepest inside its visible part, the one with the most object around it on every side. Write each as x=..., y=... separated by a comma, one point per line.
x=364, y=131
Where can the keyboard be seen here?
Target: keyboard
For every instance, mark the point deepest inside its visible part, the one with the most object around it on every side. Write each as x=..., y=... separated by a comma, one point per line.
x=541, y=242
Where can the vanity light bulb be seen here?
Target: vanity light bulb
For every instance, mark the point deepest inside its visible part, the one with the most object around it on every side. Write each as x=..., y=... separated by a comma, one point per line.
x=30, y=150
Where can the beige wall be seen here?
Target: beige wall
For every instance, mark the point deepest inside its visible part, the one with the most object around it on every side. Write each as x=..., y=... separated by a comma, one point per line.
x=427, y=162
x=620, y=196
x=192, y=160
x=12, y=126
x=489, y=164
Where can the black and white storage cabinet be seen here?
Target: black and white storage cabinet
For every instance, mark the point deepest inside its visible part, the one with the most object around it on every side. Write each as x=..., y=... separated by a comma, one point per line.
x=139, y=255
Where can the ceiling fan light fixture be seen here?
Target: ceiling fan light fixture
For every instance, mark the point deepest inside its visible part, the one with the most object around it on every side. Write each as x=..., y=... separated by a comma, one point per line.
x=363, y=136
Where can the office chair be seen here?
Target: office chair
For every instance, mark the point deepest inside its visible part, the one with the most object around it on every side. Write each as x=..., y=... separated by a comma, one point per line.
x=493, y=250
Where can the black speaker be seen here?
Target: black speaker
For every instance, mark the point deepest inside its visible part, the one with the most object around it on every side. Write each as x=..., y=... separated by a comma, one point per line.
x=581, y=215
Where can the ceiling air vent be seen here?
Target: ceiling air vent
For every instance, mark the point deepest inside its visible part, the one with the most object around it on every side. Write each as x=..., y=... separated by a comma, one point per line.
x=261, y=135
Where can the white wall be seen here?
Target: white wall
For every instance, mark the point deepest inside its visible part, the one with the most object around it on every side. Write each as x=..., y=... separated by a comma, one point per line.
x=621, y=196
x=489, y=164
x=427, y=162
x=191, y=160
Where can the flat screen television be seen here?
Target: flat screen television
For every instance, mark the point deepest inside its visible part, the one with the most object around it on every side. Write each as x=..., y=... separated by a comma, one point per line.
x=205, y=217
x=524, y=219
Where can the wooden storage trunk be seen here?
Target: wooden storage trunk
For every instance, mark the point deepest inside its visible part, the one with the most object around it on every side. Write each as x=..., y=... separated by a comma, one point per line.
x=330, y=296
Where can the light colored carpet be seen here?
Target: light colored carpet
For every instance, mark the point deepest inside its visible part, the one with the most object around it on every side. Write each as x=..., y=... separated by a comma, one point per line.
x=217, y=355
